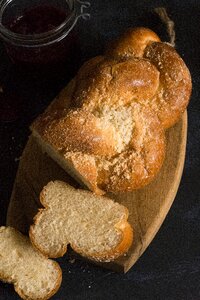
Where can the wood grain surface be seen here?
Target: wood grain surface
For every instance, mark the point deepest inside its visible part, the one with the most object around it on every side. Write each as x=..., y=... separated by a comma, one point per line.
x=148, y=207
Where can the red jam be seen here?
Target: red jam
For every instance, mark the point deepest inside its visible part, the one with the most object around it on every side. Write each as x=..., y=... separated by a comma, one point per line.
x=37, y=20
x=43, y=66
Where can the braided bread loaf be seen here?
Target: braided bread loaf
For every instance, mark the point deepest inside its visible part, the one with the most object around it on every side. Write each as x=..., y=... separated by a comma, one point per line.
x=107, y=127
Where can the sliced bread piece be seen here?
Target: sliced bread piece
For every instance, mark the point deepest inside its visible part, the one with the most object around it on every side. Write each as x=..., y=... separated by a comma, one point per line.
x=96, y=227
x=34, y=276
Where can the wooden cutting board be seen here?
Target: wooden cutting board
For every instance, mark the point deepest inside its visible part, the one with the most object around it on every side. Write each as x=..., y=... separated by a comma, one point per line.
x=148, y=207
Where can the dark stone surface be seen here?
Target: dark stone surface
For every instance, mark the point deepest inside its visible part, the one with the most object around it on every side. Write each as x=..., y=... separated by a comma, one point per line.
x=170, y=267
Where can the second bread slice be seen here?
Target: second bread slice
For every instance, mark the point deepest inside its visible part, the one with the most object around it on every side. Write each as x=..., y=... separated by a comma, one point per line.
x=34, y=276
x=95, y=227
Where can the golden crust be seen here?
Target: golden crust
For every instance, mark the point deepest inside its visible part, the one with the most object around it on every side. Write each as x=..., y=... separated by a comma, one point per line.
x=116, y=83
x=126, y=99
x=80, y=131
x=175, y=83
x=132, y=43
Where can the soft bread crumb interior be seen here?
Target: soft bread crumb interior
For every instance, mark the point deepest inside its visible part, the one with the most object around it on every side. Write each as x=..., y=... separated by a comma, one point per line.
x=32, y=273
x=121, y=118
x=62, y=161
x=80, y=218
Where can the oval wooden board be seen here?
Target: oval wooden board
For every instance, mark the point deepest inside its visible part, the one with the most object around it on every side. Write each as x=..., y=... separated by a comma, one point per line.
x=148, y=207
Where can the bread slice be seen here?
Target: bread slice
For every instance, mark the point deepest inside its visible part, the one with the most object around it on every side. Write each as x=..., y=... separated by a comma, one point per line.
x=34, y=276
x=96, y=227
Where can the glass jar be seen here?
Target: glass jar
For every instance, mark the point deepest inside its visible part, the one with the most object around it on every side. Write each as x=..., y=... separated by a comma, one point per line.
x=41, y=61
x=53, y=45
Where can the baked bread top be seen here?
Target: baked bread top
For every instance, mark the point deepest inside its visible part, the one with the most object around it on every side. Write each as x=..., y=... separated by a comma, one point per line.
x=111, y=136
x=137, y=67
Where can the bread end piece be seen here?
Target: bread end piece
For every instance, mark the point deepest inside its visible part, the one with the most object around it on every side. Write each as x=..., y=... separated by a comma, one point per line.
x=34, y=276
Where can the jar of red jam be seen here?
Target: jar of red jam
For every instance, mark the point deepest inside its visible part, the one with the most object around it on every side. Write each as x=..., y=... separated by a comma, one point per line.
x=40, y=32
x=41, y=40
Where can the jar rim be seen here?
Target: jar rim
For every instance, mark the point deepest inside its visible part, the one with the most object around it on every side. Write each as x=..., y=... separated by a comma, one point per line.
x=44, y=38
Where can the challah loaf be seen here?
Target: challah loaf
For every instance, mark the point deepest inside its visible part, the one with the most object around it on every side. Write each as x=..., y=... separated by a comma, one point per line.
x=111, y=136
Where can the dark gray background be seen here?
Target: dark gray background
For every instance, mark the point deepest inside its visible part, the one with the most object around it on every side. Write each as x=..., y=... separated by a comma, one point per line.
x=170, y=267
